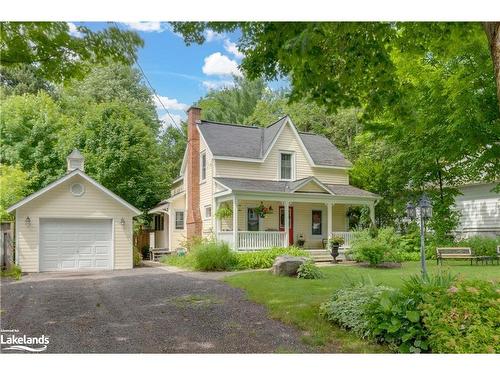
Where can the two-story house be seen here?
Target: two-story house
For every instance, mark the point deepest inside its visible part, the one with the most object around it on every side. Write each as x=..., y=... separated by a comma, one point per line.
x=256, y=175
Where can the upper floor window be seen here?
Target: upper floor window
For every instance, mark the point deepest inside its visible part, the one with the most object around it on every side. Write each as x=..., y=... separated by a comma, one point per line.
x=179, y=219
x=286, y=166
x=203, y=166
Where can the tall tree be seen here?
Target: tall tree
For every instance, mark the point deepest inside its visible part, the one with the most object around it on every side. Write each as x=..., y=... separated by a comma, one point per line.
x=341, y=64
x=57, y=53
x=113, y=82
x=232, y=104
x=13, y=187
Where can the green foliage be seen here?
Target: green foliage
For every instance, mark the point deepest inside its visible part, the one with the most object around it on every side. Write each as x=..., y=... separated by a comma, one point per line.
x=348, y=307
x=463, y=319
x=395, y=318
x=232, y=104
x=265, y=258
x=224, y=212
x=214, y=257
x=137, y=257
x=13, y=184
x=31, y=131
x=186, y=261
x=481, y=245
x=309, y=270
x=58, y=53
x=14, y=272
x=115, y=126
x=337, y=240
x=382, y=248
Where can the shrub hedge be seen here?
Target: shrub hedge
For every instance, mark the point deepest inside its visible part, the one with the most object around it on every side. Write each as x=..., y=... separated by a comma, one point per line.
x=212, y=256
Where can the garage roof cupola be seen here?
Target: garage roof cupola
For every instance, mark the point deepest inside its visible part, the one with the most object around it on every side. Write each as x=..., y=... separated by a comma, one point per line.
x=75, y=160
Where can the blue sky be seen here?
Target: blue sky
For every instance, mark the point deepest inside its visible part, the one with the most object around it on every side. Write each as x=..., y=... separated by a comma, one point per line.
x=181, y=74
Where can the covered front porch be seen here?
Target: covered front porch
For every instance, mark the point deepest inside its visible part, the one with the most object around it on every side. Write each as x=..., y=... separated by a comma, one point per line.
x=260, y=223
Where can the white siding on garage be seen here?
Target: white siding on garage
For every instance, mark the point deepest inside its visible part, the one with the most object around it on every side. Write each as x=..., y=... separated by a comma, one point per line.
x=479, y=207
x=60, y=203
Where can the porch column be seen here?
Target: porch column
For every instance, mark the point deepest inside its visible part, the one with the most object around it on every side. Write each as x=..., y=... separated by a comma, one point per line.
x=235, y=223
x=216, y=220
x=171, y=214
x=372, y=212
x=329, y=221
x=286, y=212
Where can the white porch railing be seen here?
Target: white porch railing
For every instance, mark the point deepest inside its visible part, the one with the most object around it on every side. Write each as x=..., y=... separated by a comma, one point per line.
x=347, y=236
x=256, y=240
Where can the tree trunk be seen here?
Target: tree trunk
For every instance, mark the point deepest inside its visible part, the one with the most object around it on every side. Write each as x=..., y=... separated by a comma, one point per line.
x=492, y=30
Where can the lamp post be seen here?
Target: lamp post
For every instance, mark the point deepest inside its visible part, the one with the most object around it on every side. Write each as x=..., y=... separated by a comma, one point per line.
x=425, y=211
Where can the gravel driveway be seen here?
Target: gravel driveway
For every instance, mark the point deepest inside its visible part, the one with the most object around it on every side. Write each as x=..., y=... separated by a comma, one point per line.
x=144, y=310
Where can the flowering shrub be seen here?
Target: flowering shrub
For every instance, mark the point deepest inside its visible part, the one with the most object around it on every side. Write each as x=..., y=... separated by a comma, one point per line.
x=463, y=319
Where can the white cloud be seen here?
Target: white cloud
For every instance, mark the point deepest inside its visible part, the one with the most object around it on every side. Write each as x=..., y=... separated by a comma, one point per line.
x=220, y=65
x=216, y=85
x=211, y=35
x=171, y=104
x=147, y=27
x=166, y=120
x=232, y=48
x=73, y=31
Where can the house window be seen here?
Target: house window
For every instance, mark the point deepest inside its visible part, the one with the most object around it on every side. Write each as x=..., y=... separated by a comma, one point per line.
x=179, y=220
x=208, y=212
x=203, y=166
x=159, y=222
x=286, y=166
x=252, y=220
x=316, y=222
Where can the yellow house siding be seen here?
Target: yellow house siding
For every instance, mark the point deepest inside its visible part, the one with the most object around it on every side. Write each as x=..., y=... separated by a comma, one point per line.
x=60, y=203
x=178, y=236
x=268, y=170
x=312, y=187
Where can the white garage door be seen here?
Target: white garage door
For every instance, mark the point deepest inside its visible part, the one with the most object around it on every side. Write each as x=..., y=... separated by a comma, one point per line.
x=75, y=244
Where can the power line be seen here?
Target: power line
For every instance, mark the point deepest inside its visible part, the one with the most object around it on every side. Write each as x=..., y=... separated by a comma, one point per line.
x=178, y=126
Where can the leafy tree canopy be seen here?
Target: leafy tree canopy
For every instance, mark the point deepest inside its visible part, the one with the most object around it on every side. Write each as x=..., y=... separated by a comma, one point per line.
x=59, y=54
x=13, y=183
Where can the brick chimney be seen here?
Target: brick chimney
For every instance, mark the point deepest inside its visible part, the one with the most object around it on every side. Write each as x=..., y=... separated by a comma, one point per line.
x=193, y=220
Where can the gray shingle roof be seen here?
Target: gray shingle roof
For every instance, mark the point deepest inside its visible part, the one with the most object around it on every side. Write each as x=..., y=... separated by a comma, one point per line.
x=253, y=142
x=268, y=186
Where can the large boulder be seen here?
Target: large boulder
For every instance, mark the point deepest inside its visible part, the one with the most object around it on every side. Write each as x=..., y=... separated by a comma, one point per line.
x=287, y=265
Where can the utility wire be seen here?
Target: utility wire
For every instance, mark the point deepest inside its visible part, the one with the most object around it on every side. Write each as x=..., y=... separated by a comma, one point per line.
x=154, y=91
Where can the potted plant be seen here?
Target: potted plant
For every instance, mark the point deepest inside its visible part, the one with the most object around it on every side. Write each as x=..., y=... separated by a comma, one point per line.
x=301, y=241
x=262, y=210
x=224, y=212
x=335, y=242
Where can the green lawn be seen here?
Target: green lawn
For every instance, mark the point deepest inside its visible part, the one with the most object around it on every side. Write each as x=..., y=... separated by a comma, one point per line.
x=297, y=301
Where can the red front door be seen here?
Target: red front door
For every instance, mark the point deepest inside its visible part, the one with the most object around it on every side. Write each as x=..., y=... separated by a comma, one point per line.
x=290, y=220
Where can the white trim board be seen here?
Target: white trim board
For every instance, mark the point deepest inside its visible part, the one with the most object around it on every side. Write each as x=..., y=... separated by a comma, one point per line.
x=65, y=178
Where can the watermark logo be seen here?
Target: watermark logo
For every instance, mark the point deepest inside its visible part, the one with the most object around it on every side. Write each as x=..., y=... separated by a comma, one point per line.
x=11, y=340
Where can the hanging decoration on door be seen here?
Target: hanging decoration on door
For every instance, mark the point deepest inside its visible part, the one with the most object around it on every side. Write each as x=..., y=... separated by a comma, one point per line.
x=262, y=210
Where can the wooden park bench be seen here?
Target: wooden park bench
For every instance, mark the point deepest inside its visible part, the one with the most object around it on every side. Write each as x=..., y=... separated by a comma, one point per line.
x=454, y=253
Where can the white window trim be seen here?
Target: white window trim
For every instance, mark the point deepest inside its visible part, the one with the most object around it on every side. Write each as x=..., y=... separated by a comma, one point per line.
x=183, y=219
x=205, y=212
x=293, y=174
x=203, y=154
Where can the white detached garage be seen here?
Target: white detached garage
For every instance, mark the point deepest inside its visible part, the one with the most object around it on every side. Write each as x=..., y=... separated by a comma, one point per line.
x=74, y=224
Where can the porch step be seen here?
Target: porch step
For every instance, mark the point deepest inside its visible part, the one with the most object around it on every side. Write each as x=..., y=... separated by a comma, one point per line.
x=322, y=255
